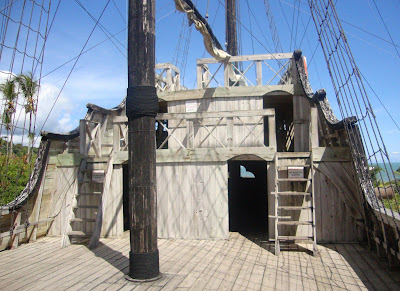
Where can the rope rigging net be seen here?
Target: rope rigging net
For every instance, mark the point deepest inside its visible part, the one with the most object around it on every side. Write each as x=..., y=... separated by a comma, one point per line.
x=367, y=146
x=24, y=27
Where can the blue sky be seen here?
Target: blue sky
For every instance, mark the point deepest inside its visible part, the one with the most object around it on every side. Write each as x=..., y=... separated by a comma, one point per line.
x=100, y=75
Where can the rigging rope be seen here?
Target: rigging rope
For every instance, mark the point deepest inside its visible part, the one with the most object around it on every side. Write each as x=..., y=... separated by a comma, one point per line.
x=365, y=139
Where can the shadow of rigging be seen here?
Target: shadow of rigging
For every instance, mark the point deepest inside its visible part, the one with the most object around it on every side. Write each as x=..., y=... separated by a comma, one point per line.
x=261, y=239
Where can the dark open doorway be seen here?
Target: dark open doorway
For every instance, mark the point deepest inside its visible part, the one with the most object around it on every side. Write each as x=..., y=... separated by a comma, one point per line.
x=247, y=191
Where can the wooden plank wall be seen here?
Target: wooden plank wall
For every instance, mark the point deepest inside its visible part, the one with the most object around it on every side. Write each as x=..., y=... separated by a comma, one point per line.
x=65, y=187
x=113, y=221
x=216, y=105
x=193, y=200
x=334, y=224
x=30, y=212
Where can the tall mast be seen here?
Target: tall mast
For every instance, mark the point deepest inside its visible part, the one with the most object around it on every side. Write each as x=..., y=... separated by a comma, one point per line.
x=231, y=27
x=141, y=109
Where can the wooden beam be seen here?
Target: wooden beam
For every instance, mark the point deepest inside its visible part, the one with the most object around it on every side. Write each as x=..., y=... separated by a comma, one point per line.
x=329, y=154
x=202, y=115
x=203, y=154
x=245, y=58
x=231, y=92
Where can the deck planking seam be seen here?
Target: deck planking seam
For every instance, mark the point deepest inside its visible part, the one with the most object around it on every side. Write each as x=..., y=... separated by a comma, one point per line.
x=237, y=263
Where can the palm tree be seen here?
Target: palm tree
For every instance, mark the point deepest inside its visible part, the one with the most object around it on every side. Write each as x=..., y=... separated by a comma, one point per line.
x=9, y=94
x=29, y=87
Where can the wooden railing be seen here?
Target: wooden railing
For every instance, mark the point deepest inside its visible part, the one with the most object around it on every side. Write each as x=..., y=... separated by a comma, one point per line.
x=167, y=78
x=92, y=137
x=224, y=129
x=277, y=65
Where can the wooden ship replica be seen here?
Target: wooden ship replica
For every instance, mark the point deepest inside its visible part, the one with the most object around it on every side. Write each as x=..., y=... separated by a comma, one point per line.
x=302, y=186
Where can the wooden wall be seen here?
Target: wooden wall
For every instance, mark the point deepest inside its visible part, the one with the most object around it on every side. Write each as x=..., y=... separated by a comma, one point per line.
x=215, y=105
x=193, y=200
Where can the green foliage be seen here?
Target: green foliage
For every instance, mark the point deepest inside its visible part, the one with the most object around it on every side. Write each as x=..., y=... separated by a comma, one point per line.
x=393, y=203
x=14, y=171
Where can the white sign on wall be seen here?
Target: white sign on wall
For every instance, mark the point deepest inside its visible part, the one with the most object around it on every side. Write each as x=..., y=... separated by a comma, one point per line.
x=191, y=106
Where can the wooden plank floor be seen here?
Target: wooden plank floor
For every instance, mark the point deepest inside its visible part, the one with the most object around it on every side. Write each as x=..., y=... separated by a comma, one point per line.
x=240, y=263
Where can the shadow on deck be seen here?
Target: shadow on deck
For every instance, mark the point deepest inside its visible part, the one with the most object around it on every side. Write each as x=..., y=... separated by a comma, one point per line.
x=244, y=262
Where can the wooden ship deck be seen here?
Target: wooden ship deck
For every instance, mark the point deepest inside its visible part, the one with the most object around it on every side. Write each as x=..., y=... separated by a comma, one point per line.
x=309, y=193
x=240, y=263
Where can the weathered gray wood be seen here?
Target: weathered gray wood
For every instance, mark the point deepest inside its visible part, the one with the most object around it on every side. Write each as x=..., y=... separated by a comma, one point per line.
x=259, y=73
x=167, y=66
x=248, y=58
x=328, y=154
x=272, y=131
x=38, y=206
x=201, y=115
x=14, y=241
x=314, y=127
x=82, y=137
x=204, y=154
x=233, y=92
x=301, y=120
x=116, y=137
x=94, y=240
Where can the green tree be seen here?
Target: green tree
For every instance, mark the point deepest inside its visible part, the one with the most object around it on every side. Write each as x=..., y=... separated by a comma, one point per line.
x=374, y=175
x=29, y=87
x=10, y=96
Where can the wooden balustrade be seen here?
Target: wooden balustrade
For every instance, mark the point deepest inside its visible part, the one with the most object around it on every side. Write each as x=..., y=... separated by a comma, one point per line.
x=195, y=129
x=233, y=76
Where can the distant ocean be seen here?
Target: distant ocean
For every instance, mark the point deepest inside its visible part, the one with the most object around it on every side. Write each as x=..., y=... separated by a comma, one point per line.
x=385, y=176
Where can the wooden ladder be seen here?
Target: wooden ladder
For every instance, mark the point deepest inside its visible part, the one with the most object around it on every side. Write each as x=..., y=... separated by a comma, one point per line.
x=281, y=220
x=88, y=207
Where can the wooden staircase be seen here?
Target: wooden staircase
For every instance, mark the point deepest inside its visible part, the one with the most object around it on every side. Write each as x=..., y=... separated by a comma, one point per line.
x=85, y=206
x=88, y=205
x=294, y=199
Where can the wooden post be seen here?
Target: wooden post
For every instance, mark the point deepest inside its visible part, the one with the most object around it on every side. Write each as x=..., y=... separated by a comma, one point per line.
x=82, y=136
x=314, y=127
x=143, y=256
x=259, y=73
x=199, y=77
x=231, y=31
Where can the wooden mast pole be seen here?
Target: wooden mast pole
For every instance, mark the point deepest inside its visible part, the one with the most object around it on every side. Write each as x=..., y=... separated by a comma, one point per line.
x=231, y=27
x=141, y=109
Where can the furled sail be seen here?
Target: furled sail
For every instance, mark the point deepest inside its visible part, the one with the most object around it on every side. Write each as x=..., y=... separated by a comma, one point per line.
x=210, y=42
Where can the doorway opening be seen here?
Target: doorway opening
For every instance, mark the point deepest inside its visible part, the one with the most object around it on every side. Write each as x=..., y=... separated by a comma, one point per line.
x=247, y=196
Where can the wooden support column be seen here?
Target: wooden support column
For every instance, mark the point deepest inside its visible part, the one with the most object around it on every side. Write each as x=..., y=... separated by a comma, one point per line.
x=143, y=256
x=82, y=137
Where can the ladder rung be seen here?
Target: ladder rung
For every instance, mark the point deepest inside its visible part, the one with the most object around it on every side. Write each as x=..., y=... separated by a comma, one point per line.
x=293, y=179
x=286, y=166
x=82, y=220
x=294, y=238
x=90, y=193
x=294, y=207
x=295, y=222
x=293, y=193
x=85, y=206
x=280, y=217
x=79, y=233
